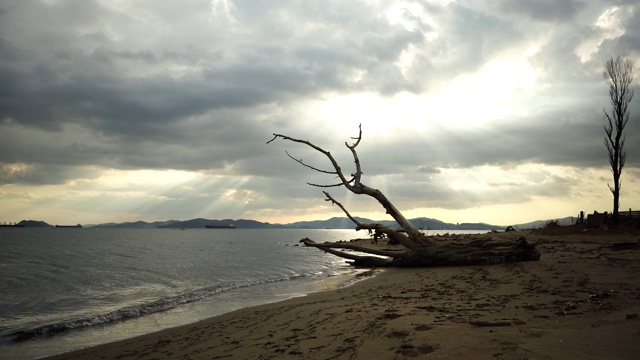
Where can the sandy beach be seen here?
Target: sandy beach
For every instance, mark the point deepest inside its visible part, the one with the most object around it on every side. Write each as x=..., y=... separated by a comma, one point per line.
x=580, y=301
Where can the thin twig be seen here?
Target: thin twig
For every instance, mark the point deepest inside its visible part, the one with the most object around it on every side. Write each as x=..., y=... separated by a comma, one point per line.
x=299, y=161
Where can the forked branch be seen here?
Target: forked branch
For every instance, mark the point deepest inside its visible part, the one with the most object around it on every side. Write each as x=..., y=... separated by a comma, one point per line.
x=338, y=171
x=419, y=250
x=379, y=229
x=355, y=185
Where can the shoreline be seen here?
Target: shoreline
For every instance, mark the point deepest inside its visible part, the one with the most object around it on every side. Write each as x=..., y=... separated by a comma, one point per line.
x=193, y=313
x=581, y=300
x=293, y=293
x=324, y=289
x=45, y=346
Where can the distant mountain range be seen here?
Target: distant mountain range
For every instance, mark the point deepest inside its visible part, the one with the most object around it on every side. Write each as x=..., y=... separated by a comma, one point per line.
x=333, y=223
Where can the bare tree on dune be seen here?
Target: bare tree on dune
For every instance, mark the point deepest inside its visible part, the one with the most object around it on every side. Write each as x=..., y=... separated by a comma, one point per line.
x=618, y=75
x=418, y=249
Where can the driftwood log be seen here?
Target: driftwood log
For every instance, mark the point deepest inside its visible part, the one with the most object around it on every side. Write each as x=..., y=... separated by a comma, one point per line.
x=418, y=248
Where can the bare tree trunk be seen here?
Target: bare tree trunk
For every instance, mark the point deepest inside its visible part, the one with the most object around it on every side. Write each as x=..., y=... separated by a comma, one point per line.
x=478, y=252
x=419, y=250
x=618, y=76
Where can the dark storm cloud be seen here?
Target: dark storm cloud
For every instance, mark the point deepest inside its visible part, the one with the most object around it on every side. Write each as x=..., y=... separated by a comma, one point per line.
x=195, y=145
x=131, y=106
x=548, y=140
x=162, y=84
x=463, y=39
x=144, y=99
x=44, y=174
x=544, y=10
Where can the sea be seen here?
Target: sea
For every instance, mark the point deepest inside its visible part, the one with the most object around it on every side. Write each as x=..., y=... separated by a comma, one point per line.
x=69, y=288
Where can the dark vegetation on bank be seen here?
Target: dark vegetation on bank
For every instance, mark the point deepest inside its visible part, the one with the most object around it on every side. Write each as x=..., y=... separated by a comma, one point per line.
x=553, y=228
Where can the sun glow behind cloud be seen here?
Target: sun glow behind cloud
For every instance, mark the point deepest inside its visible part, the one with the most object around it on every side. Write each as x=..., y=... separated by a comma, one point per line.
x=492, y=93
x=498, y=90
x=148, y=194
x=509, y=195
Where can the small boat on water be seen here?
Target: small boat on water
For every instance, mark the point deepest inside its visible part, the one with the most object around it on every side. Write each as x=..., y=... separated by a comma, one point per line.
x=227, y=226
x=69, y=226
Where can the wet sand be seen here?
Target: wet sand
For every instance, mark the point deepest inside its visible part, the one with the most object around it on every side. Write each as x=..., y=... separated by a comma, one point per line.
x=580, y=301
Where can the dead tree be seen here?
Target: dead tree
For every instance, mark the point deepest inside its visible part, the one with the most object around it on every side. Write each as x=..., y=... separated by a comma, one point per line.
x=418, y=249
x=618, y=76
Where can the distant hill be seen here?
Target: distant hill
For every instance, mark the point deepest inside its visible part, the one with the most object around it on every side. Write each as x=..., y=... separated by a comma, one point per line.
x=421, y=223
x=541, y=223
x=34, y=223
x=332, y=223
x=241, y=224
x=136, y=224
x=434, y=224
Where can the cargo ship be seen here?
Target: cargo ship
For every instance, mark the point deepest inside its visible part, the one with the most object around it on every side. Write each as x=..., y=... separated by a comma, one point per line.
x=228, y=226
x=69, y=226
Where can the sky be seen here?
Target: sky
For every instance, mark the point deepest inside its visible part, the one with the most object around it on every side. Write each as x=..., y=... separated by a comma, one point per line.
x=471, y=111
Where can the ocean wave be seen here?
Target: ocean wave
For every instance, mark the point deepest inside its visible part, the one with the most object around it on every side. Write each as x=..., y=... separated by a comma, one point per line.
x=132, y=312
